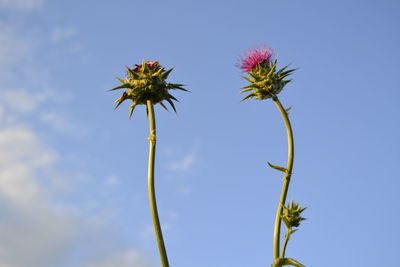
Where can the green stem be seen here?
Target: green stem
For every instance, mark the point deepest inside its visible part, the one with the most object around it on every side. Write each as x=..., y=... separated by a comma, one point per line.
x=152, y=194
x=286, y=179
x=287, y=237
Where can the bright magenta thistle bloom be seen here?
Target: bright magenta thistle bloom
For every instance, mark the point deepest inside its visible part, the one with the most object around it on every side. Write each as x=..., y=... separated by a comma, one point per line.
x=253, y=57
x=265, y=80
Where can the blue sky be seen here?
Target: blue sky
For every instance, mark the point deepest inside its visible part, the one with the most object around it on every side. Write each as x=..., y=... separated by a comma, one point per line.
x=73, y=189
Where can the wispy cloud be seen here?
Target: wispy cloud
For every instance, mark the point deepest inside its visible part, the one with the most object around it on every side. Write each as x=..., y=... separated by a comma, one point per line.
x=112, y=180
x=179, y=161
x=23, y=100
x=36, y=224
x=184, y=163
x=24, y=4
x=33, y=104
x=129, y=258
x=60, y=122
x=38, y=227
x=14, y=49
x=57, y=121
x=59, y=34
x=32, y=224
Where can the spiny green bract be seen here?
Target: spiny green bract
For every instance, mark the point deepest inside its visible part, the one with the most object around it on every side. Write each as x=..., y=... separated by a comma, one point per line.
x=147, y=82
x=291, y=215
x=266, y=81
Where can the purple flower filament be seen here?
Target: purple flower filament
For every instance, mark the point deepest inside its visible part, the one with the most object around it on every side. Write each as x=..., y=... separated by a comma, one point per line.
x=253, y=57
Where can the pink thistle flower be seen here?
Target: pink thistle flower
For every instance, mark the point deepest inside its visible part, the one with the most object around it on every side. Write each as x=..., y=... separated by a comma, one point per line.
x=253, y=57
x=150, y=64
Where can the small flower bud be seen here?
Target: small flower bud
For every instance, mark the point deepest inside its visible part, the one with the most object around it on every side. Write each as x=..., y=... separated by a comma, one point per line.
x=291, y=215
x=147, y=82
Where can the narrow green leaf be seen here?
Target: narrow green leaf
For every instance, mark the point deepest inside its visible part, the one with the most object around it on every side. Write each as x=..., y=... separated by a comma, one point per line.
x=134, y=74
x=287, y=81
x=282, y=76
x=253, y=86
x=279, y=168
x=165, y=74
x=162, y=104
x=282, y=70
x=177, y=86
x=254, y=76
x=119, y=79
x=248, y=96
x=246, y=90
x=272, y=69
x=158, y=72
x=172, y=97
x=132, y=108
x=292, y=231
x=181, y=88
x=145, y=68
x=286, y=261
x=290, y=261
x=172, y=104
x=119, y=102
x=125, y=85
x=288, y=71
x=288, y=109
x=248, y=79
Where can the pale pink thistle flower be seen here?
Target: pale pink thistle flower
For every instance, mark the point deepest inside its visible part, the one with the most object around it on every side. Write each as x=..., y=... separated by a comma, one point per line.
x=253, y=57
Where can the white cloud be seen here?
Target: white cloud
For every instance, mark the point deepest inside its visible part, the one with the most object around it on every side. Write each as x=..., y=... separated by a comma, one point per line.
x=21, y=146
x=38, y=226
x=14, y=49
x=36, y=223
x=1, y=113
x=31, y=224
x=23, y=101
x=184, y=163
x=24, y=4
x=63, y=33
x=129, y=258
x=57, y=121
x=112, y=180
x=60, y=122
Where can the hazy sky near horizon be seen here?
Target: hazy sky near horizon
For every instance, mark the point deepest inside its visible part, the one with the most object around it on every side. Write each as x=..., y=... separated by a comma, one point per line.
x=73, y=189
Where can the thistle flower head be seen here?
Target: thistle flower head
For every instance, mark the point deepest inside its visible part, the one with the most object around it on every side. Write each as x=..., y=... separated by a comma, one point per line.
x=265, y=80
x=253, y=57
x=291, y=215
x=147, y=81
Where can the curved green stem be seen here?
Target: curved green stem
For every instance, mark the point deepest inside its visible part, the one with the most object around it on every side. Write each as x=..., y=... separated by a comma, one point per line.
x=152, y=194
x=286, y=179
x=287, y=237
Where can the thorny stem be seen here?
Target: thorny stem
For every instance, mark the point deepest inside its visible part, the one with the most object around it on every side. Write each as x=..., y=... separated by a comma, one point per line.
x=152, y=195
x=286, y=179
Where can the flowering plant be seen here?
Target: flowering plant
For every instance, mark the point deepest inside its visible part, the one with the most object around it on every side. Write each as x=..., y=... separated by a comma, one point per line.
x=147, y=82
x=267, y=82
x=146, y=85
